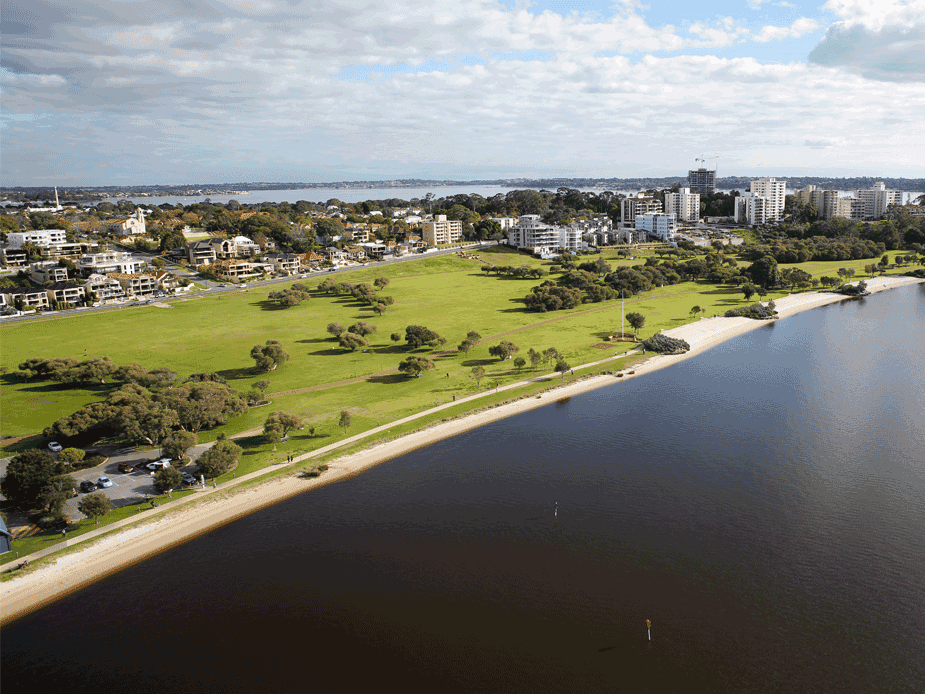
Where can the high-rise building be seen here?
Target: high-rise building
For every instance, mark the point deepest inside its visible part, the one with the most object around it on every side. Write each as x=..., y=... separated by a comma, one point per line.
x=641, y=204
x=683, y=204
x=661, y=225
x=702, y=181
x=751, y=209
x=825, y=201
x=876, y=199
x=775, y=192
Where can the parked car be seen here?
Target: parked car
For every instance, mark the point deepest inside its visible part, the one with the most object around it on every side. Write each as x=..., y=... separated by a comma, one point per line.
x=104, y=482
x=126, y=467
x=188, y=478
x=158, y=464
x=87, y=486
x=55, y=447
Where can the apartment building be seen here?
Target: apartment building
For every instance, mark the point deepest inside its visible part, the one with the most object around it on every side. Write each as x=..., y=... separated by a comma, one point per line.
x=47, y=271
x=441, y=230
x=641, y=204
x=775, y=192
x=825, y=201
x=24, y=298
x=137, y=284
x=684, y=205
x=286, y=263
x=66, y=292
x=702, y=181
x=876, y=199
x=662, y=225
x=849, y=208
x=109, y=262
x=507, y=223
x=751, y=209
x=36, y=237
x=104, y=287
x=531, y=233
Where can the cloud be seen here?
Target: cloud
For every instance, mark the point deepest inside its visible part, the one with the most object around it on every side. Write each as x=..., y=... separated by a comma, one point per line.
x=883, y=41
x=799, y=28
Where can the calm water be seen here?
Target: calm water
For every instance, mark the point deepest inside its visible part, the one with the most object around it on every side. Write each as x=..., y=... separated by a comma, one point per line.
x=763, y=504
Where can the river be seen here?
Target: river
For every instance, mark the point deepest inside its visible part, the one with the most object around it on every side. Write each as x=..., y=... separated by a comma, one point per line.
x=763, y=504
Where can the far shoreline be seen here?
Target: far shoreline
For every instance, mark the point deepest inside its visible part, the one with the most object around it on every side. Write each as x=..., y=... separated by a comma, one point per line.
x=121, y=547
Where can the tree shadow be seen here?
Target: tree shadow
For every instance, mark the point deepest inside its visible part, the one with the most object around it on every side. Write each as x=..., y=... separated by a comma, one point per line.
x=313, y=340
x=267, y=305
x=329, y=352
x=480, y=362
x=234, y=374
x=389, y=378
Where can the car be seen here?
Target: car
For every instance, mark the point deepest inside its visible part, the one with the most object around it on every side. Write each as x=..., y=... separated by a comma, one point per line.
x=55, y=447
x=158, y=464
x=126, y=467
x=104, y=482
x=87, y=486
x=188, y=478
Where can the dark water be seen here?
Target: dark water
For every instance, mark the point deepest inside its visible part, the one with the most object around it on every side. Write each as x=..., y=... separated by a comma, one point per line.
x=763, y=504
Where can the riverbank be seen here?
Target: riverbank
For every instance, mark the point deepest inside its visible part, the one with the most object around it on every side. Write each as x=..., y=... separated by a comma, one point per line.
x=119, y=548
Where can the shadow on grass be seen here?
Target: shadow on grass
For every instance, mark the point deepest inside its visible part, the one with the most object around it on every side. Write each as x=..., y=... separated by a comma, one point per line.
x=389, y=378
x=267, y=305
x=314, y=340
x=479, y=362
x=330, y=352
x=234, y=374
x=250, y=444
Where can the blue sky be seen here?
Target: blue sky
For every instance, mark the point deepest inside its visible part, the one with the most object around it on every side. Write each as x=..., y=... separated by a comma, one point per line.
x=110, y=92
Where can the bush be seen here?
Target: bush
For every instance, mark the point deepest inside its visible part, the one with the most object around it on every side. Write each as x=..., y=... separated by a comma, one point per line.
x=853, y=290
x=86, y=463
x=920, y=273
x=755, y=311
x=666, y=345
x=48, y=520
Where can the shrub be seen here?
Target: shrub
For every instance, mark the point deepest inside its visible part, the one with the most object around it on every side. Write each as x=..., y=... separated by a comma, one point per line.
x=860, y=289
x=666, y=345
x=755, y=311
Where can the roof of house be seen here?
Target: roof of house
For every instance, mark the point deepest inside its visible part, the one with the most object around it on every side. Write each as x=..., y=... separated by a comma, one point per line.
x=129, y=275
x=21, y=290
x=60, y=286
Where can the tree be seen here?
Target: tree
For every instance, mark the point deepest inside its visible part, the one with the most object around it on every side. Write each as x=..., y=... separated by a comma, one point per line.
x=535, y=358
x=178, y=443
x=562, y=366
x=749, y=289
x=167, y=478
x=95, y=505
x=269, y=356
x=278, y=424
x=418, y=336
x=414, y=365
x=262, y=387
x=764, y=271
x=504, y=350
x=362, y=328
x=520, y=363
x=884, y=261
x=695, y=310
x=336, y=329
x=464, y=346
x=636, y=320
x=351, y=341
x=395, y=337
x=71, y=455
x=53, y=495
x=344, y=421
x=478, y=373
x=381, y=282
x=218, y=459
x=27, y=474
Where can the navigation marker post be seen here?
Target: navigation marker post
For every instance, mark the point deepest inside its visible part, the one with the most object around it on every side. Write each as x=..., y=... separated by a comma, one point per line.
x=649, y=628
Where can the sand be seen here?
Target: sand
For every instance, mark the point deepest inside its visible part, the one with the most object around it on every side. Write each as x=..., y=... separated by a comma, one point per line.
x=101, y=556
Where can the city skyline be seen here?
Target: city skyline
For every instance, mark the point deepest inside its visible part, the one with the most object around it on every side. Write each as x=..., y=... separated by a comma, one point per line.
x=109, y=93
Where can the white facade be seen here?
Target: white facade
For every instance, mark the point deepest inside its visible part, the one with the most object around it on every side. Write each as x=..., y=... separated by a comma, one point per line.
x=133, y=225
x=662, y=225
x=531, y=233
x=631, y=207
x=109, y=262
x=684, y=205
x=825, y=201
x=774, y=192
x=876, y=200
x=506, y=223
x=38, y=237
x=751, y=209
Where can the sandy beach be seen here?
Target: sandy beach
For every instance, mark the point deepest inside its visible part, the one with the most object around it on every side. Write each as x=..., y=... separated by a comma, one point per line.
x=101, y=556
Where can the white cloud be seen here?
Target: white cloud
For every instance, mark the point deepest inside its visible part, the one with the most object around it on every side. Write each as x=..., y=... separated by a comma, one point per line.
x=883, y=40
x=799, y=28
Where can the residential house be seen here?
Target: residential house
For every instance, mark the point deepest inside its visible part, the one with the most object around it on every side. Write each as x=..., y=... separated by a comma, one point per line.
x=354, y=252
x=240, y=270
x=104, y=287
x=243, y=247
x=65, y=292
x=285, y=263
x=47, y=271
x=334, y=255
x=312, y=258
x=109, y=262
x=24, y=298
x=138, y=284
x=167, y=281
x=375, y=249
x=14, y=257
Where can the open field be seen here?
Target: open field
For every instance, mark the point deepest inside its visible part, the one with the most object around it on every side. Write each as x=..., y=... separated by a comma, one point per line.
x=445, y=293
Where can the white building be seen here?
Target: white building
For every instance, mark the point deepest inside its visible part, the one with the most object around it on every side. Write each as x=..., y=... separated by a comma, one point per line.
x=104, y=287
x=825, y=201
x=684, y=205
x=47, y=271
x=531, y=233
x=641, y=204
x=441, y=230
x=664, y=226
x=108, y=263
x=506, y=223
x=751, y=209
x=876, y=199
x=37, y=237
x=133, y=225
x=775, y=192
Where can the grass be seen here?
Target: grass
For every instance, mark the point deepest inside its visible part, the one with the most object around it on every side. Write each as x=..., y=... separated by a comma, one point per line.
x=446, y=293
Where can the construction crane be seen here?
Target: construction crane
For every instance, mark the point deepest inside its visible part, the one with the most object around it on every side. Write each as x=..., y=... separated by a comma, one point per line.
x=703, y=159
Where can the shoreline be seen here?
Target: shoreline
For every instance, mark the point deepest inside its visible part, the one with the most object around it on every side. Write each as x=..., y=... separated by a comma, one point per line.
x=119, y=548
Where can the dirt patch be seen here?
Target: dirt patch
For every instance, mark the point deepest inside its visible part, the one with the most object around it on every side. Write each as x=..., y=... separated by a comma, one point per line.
x=161, y=305
x=604, y=345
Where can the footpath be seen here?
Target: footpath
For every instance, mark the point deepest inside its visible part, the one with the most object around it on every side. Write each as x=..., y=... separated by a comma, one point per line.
x=146, y=512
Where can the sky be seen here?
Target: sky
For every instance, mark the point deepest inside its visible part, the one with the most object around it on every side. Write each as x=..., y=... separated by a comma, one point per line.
x=124, y=92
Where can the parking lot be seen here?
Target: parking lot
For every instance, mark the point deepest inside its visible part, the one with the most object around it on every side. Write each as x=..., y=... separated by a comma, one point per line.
x=127, y=487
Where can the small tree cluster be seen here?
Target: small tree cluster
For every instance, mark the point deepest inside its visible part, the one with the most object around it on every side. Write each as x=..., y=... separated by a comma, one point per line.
x=219, y=459
x=269, y=356
x=279, y=424
x=293, y=296
x=414, y=365
x=666, y=345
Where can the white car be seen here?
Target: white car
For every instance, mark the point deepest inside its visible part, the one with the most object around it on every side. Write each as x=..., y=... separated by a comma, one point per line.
x=55, y=447
x=158, y=464
x=104, y=482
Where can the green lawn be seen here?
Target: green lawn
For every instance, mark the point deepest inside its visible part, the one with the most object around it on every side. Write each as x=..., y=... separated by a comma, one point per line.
x=445, y=293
